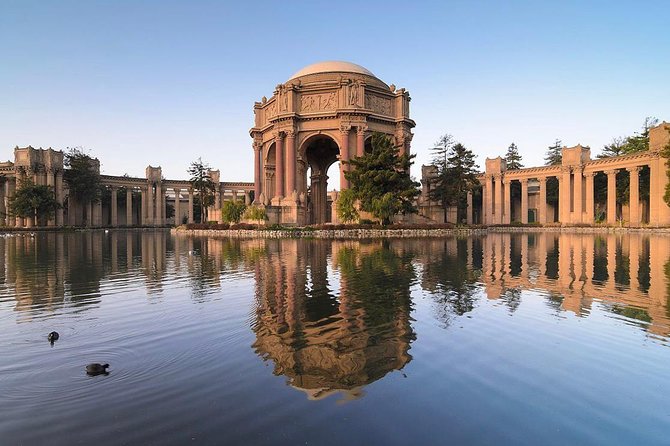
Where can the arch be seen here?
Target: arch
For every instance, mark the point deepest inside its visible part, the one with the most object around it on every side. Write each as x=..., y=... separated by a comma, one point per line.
x=318, y=151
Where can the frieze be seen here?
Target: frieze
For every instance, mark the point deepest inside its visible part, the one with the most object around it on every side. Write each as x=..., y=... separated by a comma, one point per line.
x=378, y=104
x=318, y=102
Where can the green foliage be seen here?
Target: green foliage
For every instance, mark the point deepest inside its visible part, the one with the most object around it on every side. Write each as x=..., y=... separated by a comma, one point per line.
x=346, y=206
x=233, y=211
x=513, y=158
x=202, y=184
x=82, y=175
x=665, y=153
x=256, y=213
x=554, y=156
x=456, y=175
x=380, y=172
x=31, y=200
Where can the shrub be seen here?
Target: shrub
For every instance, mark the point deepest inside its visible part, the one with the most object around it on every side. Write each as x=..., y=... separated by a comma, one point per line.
x=346, y=206
x=233, y=211
x=256, y=213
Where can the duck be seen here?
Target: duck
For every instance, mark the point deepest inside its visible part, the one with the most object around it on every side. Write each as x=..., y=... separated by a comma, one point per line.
x=53, y=336
x=97, y=369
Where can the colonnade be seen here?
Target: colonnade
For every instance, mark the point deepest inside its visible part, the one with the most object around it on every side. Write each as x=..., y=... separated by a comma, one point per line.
x=576, y=193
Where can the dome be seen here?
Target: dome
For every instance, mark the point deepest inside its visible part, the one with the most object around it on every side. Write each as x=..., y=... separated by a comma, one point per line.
x=333, y=66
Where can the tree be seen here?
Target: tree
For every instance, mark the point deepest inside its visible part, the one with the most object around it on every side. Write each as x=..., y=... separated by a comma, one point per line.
x=456, y=175
x=554, y=156
x=82, y=176
x=346, y=206
x=665, y=153
x=33, y=201
x=380, y=172
x=256, y=213
x=233, y=211
x=513, y=158
x=202, y=184
x=630, y=144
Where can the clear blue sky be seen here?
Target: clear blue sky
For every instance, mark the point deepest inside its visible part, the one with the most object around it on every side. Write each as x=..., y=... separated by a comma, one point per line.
x=164, y=82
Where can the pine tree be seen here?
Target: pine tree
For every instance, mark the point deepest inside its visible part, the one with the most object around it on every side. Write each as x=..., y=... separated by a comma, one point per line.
x=554, y=155
x=381, y=182
x=203, y=186
x=513, y=158
x=456, y=175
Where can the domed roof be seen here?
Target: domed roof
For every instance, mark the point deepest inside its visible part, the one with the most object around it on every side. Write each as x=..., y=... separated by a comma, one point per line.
x=332, y=66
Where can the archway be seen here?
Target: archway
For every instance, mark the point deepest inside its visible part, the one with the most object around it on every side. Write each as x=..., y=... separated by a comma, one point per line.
x=320, y=152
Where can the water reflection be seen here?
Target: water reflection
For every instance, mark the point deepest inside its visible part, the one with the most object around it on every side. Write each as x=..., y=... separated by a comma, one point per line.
x=333, y=317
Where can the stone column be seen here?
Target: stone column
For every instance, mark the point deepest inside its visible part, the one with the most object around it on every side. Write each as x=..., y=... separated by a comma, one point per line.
x=542, y=206
x=590, y=205
x=235, y=196
x=217, y=203
x=360, y=140
x=160, y=205
x=150, y=205
x=468, y=215
x=257, y=171
x=59, y=197
x=290, y=163
x=114, y=210
x=611, y=197
x=190, y=206
x=129, y=206
x=634, y=200
x=10, y=186
x=634, y=242
x=578, y=203
x=498, y=217
x=177, y=206
x=524, y=200
x=97, y=211
x=50, y=181
x=143, y=217
x=344, y=158
x=564, y=196
x=247, y=199
x=222, y=200
x=508, y=202
x=486, y=184
x=3, y=206
x=279, y=165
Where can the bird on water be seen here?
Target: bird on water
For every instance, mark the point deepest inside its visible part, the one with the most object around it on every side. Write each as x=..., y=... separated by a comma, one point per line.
x=53, y=337
x=97, y=369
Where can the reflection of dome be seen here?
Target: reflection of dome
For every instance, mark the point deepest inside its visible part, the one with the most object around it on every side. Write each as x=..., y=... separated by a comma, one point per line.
x=332, y=66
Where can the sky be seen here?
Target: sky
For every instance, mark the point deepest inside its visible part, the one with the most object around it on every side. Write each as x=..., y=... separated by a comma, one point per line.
x=162, y=82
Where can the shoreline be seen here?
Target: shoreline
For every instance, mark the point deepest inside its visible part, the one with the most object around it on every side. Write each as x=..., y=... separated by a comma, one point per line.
x=407, y=233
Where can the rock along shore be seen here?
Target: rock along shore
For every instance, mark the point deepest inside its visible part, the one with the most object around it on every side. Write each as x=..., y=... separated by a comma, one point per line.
x=405, y=233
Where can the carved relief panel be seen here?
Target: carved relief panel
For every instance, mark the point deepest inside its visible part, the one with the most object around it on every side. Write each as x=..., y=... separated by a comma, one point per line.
x=318, y=102
x=378, y=104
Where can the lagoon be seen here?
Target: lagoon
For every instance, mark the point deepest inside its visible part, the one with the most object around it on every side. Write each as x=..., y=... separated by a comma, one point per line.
x=540, y=338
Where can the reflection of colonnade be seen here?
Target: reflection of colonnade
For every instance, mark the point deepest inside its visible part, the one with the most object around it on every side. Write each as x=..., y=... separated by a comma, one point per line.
x=125, y=201
x=576, y=192
x=323, y=341
x=626, y=269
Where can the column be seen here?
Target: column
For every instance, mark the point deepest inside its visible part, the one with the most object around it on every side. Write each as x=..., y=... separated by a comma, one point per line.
x=634, y=199
x=564, y=196
x=190, y=206
x=508, y=202
x=590, y=205
x=115, y=219
x=150, y=205
x=3, y=205
x=59, y=197
x=97, y=211
x=257, y=171
x=290, y=163
x=160, y=206
x=524, y=200
x=497, y=179
x=360, y=140
x=468, y=215
x=344, y=158
x=542, y=206
x=177, y=206
x=634, y=242
x=578, y=203
x=247, y=199
x=50, y=182
x=235, y=196
x=611, y=197
x=279, y=165
x=217, y=204
x=129, y=206
x=143, y=217
x=90, y=220
x=9, y=192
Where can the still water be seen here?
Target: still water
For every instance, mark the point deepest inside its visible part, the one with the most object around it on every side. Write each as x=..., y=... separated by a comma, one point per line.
x=501, y=339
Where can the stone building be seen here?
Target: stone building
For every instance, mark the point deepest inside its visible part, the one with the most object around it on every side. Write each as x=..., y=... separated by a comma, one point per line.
x=322, y=114
x=126, y=201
